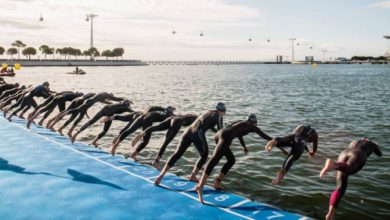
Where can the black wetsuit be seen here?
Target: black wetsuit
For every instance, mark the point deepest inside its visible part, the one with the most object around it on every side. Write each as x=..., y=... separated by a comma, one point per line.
x=132, y=116
x=28, y=100
x=18, y=96
x=173, y=125
x=195, y=134
x=145, y=120
x=108, y=110
x=6, y=87
x=297, y=141
x=81, y=111
x=10, y=92
x=58, y=100
x=350, y=161
x=75, y=104
x=224, y=138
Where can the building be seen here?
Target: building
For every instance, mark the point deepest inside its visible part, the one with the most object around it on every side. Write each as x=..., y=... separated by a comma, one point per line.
x=279, y=59
x=309, y=59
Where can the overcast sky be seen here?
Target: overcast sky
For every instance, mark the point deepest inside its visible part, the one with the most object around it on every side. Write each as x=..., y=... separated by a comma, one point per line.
x=144, y=27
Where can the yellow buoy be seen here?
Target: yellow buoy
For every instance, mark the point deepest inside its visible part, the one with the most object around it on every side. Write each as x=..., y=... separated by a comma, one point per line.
x=17, y=66
x=4, y=65
x=314, y=65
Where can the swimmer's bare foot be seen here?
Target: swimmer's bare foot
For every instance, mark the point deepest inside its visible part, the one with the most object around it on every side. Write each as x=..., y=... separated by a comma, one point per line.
x=69, y=133
x=40, y=123
x=134, y=156
x=73, y=139
x=95, y=143
x=278, y=178
x=156, y=164
x=218, y=185
x=329, y=165
x=199, y=190
x=158, y=180
x=59, y=131
x=193, y=178
x=113, y=149
x=28, y=124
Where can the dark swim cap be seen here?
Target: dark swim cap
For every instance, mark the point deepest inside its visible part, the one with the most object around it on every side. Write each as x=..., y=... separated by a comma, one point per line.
x=170, y=110
x=252, y=118
x=45, y=84
x=127, y=102
x=221, y=107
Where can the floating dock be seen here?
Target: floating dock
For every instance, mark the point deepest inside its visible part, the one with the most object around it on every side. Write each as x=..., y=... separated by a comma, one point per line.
x=44, y=176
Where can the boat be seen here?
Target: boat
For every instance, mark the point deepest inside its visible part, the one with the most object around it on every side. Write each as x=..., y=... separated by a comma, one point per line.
x=77, y=72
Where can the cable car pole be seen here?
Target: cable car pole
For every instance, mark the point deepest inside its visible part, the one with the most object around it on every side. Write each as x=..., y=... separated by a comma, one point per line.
x=90, y=17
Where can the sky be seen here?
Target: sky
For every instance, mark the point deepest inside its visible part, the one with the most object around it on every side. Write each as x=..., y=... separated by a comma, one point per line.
x=322, y=28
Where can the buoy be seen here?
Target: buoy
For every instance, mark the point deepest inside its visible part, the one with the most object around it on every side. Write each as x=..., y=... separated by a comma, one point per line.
x=314, y=65
x=4, y=65
x=17, y=66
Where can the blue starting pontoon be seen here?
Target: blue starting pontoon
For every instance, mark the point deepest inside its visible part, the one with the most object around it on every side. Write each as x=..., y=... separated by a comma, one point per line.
x=44, y=176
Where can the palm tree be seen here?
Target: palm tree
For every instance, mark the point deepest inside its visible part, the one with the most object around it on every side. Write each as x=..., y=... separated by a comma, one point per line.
x=29, y=51
x=94, y=52
x=86, y=53
x=59, y=51
x=12, y=51
x=43, y=49
x=18, y=44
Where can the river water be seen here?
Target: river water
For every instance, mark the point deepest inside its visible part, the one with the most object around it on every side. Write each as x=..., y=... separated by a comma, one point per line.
x=342, y=102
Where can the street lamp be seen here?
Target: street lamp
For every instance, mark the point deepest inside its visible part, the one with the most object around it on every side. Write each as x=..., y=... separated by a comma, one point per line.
x=292, y=48
x=87, y=18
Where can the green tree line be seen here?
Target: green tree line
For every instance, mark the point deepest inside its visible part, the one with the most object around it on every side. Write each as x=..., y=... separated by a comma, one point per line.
x=66, y=52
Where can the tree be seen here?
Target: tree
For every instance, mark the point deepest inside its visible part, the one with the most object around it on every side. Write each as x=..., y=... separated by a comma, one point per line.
x=46, y=50
x=2, y=50
x=86, y=53
x=12, y=51
x=107, y=54
x=18, y=44
x=94, y=52
x=29, y=51
x=118, y=52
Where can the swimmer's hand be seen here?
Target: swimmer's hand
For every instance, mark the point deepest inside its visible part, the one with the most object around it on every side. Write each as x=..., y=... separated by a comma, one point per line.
x=269, y=145
x=245, y=149
x=310, y=154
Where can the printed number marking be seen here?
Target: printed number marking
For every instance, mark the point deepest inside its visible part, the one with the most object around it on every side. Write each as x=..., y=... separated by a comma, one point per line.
x=276, y=215
x=221, y=198
x=180, y=184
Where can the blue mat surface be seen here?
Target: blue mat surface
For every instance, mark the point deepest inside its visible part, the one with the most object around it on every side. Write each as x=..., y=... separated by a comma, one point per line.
x=44, y=176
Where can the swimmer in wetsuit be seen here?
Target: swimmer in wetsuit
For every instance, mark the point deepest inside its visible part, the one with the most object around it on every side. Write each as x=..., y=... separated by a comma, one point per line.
x=349, y=162
x=143, y=121
x=28, y=100
x=58, y=100
x=223, y=139
x=81, y=110
x=74, y=104
x=18, y=96
x=297, y=141
x=195, y=134
x=129, y=118
x=108, y=110
x=173, y=125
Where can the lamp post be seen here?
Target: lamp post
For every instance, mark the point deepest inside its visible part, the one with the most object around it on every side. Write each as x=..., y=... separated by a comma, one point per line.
x=292, y=48
x=90, y=17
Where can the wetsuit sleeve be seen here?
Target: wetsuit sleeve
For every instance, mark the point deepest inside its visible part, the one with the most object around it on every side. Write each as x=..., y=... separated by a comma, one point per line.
x=262, y=134
x=113, y=98
x=220, y=122
x=127, y=117
x=242, y=142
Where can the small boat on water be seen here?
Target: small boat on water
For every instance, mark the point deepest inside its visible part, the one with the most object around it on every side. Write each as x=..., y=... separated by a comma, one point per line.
x=77, y=72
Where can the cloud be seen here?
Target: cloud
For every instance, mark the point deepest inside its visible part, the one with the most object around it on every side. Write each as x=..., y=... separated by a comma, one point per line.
x=22, y=25
x=381, y=5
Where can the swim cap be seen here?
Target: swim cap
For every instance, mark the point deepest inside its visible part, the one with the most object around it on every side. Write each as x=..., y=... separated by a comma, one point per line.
x=221, y=107
x=252, y=118
x=45, y=84
x=170, y=110
x=127, y=102
x=17, y=84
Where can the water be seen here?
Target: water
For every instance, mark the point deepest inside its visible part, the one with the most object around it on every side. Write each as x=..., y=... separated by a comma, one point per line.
x=342, y=102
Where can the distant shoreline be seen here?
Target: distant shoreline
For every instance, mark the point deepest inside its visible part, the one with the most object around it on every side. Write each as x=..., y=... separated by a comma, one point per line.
x=54, y=62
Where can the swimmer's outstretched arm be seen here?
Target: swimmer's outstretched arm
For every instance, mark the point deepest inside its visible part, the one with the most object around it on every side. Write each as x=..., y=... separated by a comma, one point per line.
x=242, y=142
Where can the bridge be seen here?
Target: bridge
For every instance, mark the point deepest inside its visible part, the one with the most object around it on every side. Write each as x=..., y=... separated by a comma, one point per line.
x=170, y=62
